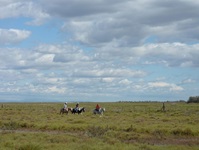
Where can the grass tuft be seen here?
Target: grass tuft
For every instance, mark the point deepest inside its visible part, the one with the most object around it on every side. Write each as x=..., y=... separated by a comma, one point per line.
x=96, y=131
x=29, y=147
x=11, y=125
x=185, y=132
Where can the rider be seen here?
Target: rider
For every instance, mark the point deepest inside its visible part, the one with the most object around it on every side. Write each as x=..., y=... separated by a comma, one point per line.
x=97, y=107
x=65, y=106
x=77, y=107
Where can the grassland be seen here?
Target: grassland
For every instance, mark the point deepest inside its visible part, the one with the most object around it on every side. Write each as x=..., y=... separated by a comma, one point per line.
x=124, y=125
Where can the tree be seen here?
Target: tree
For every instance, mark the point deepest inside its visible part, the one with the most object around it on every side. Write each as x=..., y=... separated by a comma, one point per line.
x=193, y=99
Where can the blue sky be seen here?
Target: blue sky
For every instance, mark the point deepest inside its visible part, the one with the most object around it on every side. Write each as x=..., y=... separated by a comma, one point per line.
x=83, y=50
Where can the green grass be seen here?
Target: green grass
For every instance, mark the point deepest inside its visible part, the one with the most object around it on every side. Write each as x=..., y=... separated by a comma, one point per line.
x=36, y=126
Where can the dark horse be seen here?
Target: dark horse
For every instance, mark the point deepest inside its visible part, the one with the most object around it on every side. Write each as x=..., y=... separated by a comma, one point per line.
x=62, y=110
x=79, y=111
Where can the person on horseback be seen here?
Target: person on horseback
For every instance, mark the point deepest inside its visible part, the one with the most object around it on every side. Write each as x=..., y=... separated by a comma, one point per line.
x=77, y=107
x=97, y=107
x=65, y=106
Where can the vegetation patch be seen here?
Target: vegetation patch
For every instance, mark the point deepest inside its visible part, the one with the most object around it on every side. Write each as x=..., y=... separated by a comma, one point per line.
x=96, y=131
x=124, y=125
x=29, y=147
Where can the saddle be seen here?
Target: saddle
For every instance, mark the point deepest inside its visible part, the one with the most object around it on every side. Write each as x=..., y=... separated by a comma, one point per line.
x=66, y=109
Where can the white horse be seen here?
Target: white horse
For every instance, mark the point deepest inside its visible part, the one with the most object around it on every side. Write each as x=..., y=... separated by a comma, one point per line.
x=101, y=111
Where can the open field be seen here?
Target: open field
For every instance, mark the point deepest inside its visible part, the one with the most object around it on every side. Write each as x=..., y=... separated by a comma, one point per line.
x=124, y=125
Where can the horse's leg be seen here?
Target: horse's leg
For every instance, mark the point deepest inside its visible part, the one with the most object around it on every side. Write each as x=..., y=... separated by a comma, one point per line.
x=61, y=111
x=79, y=112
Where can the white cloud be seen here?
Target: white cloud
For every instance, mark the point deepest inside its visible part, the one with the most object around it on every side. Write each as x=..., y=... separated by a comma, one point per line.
x=125, y=82
x=128, y=22
x=109, y=72
x=105, y=49
x=176, y=88
x=12, y=36
x=168, y=54
x=45, y=59
x=158, y=84
x=56, y=90
x=18, y=8
x=171, y=86
x=108, y=80
x=188, y=81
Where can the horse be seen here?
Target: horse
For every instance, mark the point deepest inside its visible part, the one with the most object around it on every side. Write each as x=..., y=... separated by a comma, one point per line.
x=62, y=110
x=100, y=111
x=79, y=111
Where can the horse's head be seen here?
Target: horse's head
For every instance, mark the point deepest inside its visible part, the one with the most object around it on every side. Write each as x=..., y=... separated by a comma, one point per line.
x=101, y=109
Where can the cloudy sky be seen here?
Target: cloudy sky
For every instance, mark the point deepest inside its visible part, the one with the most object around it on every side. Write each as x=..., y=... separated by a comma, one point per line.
x=102, y=50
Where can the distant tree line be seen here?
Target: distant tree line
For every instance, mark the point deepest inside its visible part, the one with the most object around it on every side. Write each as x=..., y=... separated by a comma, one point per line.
x=193, y=99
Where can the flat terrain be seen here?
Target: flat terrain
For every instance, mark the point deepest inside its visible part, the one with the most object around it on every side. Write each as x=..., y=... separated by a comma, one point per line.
x=124, y=125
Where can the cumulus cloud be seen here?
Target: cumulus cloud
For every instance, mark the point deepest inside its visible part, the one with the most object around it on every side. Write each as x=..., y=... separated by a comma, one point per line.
x=187, y=81
x=171, y=86
x=125, y=82
x=107, y=49
x=17, y=8
x=12, y=36
x=171, y=54
x=128, y=22
x=78, y=8
x=109, y=72
x=125, y=32
x=168, y=54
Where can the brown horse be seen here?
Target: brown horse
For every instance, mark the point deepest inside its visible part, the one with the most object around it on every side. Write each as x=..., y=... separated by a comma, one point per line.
x=62, y=110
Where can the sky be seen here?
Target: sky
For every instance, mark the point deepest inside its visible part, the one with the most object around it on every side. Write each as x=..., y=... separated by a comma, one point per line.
x=102, y=50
